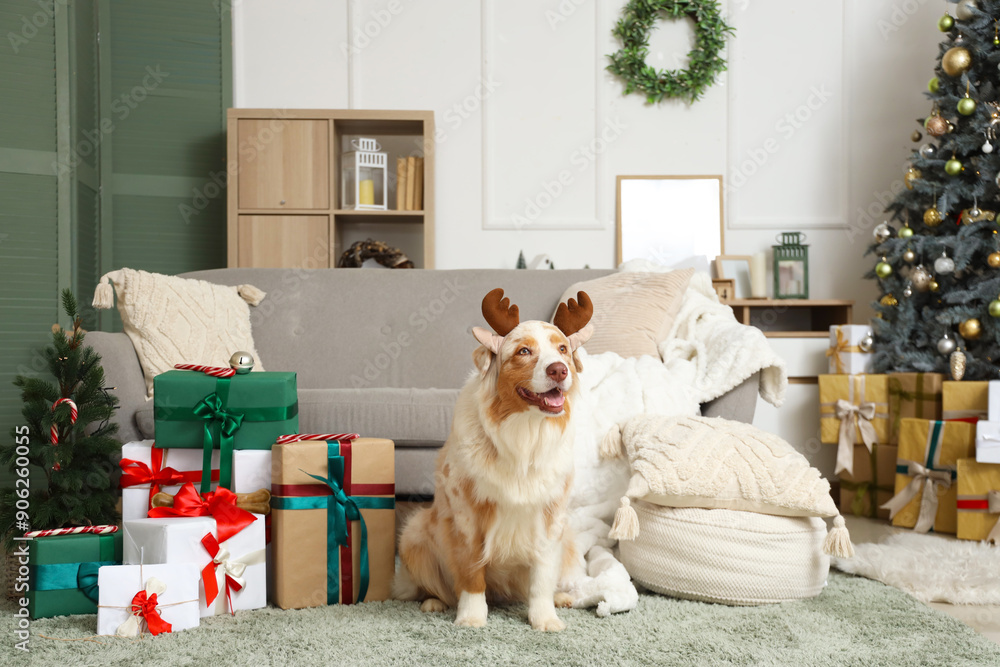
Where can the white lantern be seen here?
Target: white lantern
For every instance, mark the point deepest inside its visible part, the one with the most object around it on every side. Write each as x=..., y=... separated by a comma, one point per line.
x=363, y=177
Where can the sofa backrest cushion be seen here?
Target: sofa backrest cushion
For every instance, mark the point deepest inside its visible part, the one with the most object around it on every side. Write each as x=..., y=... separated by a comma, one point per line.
x=380, y=327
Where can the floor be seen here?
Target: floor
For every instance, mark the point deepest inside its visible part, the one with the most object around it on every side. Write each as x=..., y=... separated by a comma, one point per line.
x=984, y=619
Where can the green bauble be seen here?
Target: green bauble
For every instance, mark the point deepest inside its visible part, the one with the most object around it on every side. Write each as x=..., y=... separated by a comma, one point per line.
x=966, y=106
x=946, y=23
x=883, y=269
x=933, y=84
x=953, y=167
x=994, y=308
x=905, y=232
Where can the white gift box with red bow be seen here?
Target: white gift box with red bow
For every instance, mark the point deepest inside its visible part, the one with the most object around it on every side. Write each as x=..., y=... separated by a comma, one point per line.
x=240, y=572
x=176, y=588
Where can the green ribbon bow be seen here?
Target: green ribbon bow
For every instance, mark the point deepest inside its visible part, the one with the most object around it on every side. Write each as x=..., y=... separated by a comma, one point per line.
x=211, y=409
x=67, y=576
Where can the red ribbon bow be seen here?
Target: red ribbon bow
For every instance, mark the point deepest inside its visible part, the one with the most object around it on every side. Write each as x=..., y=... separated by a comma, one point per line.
x=136, y=473
x=220, y=505
x=145, y=606
x=208, y=575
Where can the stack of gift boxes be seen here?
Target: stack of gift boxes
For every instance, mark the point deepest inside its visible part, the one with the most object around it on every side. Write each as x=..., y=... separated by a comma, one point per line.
x=229, y=508
x=911, y=447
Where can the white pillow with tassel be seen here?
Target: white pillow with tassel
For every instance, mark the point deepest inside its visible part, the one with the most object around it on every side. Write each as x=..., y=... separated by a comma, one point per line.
x=715, y=463
x=173, y=320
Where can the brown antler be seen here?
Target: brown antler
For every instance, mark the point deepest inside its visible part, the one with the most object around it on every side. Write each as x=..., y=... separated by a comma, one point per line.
x=499, y=312
x=574, y=315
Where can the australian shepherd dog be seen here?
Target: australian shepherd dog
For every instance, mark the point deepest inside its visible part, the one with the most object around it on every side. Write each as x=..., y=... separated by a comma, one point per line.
x=497, y=530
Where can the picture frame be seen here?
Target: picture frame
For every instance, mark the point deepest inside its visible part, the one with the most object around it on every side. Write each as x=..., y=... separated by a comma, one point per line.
x=725, y=288
x=737, y=269
x=669, y=219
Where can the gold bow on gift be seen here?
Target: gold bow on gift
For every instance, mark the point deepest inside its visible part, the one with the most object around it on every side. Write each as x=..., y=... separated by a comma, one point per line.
x=932, y=482
x=840, y=349
x=854, y=417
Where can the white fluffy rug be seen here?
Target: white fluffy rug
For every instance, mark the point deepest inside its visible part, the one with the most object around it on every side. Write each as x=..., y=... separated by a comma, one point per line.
x=931, y=568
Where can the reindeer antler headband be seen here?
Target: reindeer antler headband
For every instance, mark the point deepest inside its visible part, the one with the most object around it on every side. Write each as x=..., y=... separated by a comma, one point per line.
x=570, y=318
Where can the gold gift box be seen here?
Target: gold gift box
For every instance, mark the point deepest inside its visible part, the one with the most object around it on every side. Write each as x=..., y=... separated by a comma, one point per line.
x=976, y=483
x=956, y=440
x=913, y=396
x=962, y=400
x=874, y=478
x=855, y=389
x=301, y=515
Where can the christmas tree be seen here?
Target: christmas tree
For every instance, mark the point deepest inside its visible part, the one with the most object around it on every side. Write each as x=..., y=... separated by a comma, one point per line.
x=71, y=460
x=938, y=256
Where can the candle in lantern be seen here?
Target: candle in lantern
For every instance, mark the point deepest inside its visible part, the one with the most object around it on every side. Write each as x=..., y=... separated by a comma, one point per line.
x=366, y=196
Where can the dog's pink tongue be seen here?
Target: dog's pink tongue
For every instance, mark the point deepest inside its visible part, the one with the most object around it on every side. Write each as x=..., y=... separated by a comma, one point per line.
x=554, y=398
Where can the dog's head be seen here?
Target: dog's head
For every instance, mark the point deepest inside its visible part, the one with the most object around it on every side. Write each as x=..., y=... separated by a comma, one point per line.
x=534, y=364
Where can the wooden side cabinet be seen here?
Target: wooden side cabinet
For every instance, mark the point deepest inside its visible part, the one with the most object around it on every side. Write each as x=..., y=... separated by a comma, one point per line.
x=799, y=332
x=284, y=207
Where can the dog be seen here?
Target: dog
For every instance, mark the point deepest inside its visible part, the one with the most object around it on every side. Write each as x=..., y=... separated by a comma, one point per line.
x=497, y=529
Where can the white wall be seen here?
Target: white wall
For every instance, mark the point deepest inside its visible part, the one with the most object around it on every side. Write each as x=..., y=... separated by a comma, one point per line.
x=521, y=96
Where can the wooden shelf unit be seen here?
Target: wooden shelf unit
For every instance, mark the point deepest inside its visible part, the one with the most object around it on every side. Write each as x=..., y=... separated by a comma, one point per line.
x=284, y=190
x=793, y=318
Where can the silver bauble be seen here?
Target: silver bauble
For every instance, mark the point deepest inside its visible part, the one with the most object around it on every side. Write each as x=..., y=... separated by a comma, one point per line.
x=975, y=213
x=907, y=291
x=241, y=362
x=946, y=345
x=921, y=278
x=963, y=11
x=928, y=151
x=867, y=342
x=882, y=232
x=944, y=264
x=909, y=256
x=987, y=147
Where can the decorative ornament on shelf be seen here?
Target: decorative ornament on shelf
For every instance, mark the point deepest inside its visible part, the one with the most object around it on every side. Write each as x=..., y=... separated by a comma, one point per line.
x=928, y=151
x=905, y=231
x=946, y=344
x=994, y=307
x=883, y=269
x=970, y=329
x=867, y=343
x=953, y=167
x=964, y=9
x=705, y=62
x=932, y=216
x=946, y=23
x=956, y=363
x=944, y=264
x=911, y=175
x=921, y=278
x=882, y=232
x=956, y=60
x=364, y=181
x=994, y=259
x=909, y=256
x=889, y=301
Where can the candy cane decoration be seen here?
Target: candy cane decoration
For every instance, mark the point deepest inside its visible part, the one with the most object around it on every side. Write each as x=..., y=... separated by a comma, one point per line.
x=214, y=371
x=73, y=413
x=300, y=437
x=96, y=530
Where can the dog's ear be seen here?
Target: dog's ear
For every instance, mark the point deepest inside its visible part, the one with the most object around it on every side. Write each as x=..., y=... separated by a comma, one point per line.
x=483, y=359
x=490, y=347
x=580, y=337
x=577, y=363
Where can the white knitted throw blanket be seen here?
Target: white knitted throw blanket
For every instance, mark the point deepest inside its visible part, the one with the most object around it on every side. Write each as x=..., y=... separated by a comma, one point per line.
x=707, y=354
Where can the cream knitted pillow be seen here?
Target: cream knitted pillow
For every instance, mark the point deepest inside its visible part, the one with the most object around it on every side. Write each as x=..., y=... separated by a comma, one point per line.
x=717, y=463
x=633, y=312
x=173, y=320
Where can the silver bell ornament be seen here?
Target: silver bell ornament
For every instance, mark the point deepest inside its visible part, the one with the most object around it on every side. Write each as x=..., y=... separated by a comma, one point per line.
x=944, y=264
x=882, y=232
x=921, y=278
x=946, y=345
x=241, y=362
x=867, y=343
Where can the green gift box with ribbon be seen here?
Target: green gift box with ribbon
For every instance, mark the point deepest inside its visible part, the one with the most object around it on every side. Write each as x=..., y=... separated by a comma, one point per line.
x=62, y=572
x=197, y=411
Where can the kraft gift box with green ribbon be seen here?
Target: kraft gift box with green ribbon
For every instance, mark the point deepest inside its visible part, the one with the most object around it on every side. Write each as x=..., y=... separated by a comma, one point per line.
x=926, y=473
x=333, y=521
x=871, y=484
x=62, y=572
x=913, y=396
x=197, y=411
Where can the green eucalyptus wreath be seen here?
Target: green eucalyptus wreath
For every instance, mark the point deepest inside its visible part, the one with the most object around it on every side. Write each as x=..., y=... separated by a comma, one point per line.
x=633, y=29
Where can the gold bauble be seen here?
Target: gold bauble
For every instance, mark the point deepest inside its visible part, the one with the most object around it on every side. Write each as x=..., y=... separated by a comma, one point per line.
x=994, y=260
x=970, y=329
x=956, y=60
x=933, y=286
x=889, y=300
x=911, y=175
x=916, y=135
x=936, y=126
x=932, y=217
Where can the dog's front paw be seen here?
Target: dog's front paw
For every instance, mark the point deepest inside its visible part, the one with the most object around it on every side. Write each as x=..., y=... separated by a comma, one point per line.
x=564, y=600
x=433, y=605
x=470, y=621
x=550, y=623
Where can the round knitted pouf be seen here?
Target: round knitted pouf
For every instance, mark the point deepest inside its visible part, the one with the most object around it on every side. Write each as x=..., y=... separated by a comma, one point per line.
x=726, y=556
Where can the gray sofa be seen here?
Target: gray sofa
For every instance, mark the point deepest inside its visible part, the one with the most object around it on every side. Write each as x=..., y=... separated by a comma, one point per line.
x=378, y=352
